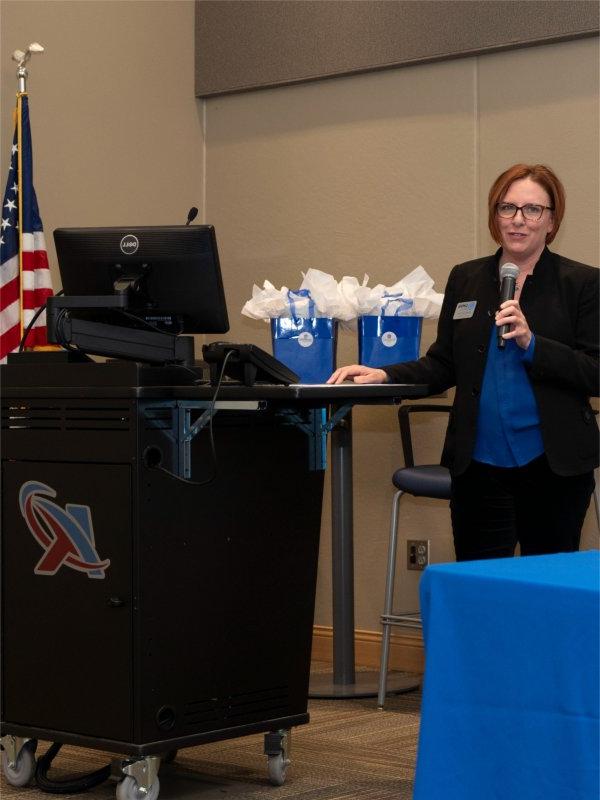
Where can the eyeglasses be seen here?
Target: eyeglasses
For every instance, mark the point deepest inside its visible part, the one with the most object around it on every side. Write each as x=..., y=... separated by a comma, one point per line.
x=531, y=211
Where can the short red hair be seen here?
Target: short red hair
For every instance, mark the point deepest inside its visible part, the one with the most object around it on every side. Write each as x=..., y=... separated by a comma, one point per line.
x=538, y=173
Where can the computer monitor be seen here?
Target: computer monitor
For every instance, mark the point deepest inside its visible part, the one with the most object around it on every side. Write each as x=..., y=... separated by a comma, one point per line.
x=169, y=277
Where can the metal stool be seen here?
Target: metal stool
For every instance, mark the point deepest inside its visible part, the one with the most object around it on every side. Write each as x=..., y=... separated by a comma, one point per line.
x=427, y=480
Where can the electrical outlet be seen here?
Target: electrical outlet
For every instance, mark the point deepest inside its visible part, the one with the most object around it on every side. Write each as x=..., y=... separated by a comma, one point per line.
x=417, y=553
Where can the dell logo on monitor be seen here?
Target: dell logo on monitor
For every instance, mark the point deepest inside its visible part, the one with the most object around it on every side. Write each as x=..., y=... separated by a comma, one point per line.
x=129, y=244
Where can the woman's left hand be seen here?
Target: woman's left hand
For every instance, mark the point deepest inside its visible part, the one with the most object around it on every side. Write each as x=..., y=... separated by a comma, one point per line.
x=510, y=314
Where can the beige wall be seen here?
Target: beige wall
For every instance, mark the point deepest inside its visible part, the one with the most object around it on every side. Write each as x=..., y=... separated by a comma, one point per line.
x=116, y=129
x=374, y=173
x=378, y=173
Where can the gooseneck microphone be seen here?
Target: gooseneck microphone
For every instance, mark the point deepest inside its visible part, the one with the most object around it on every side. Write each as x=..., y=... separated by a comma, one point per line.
x=192, y=214
x=508, y=282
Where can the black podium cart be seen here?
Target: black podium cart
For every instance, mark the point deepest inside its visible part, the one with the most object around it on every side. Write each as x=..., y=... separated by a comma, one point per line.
x=146, y=607
x=143, y=611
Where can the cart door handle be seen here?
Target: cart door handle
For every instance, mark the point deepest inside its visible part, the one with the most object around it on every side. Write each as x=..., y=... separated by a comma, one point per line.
x=116, y=602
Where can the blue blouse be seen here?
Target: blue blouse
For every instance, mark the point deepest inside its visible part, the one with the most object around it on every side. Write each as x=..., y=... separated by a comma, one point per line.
x=508, y=426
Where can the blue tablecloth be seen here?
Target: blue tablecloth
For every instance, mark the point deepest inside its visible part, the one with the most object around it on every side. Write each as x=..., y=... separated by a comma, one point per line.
x=511, y=690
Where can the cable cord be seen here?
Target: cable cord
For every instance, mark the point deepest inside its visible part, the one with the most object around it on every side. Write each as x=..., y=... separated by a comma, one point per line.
x=32, y=321
x=191, y=371
x=210, y=435
x=72, y=785
x=62, y=317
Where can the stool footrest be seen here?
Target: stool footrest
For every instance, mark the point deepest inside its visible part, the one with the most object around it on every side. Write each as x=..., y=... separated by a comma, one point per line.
x=408, y=619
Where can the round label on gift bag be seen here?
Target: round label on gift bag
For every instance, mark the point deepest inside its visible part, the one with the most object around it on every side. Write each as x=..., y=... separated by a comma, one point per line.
x=389, y=339
x=305, y=339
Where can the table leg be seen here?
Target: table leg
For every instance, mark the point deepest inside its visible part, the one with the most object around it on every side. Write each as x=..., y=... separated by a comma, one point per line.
x=342, y=552
x=345, y=681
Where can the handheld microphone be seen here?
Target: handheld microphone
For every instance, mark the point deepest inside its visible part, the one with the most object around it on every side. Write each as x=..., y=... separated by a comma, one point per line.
x=192, y=214
x=508, y=282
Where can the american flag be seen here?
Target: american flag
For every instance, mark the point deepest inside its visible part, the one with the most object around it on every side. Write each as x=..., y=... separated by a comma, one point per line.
x=25, y=281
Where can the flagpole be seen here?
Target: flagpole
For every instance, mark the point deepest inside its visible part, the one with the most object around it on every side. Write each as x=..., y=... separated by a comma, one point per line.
x=20, y=199
x=22, y=58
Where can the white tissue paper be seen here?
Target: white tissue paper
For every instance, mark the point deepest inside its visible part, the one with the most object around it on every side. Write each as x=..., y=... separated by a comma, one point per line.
x=411, y=296
x=267, y=303
x=320, y=295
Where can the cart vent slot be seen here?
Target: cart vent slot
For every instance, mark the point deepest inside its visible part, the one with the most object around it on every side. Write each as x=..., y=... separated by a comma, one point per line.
x=201, y=712
x=274, y=702
x=87, y=418
x=19, y=417
x=30, y=416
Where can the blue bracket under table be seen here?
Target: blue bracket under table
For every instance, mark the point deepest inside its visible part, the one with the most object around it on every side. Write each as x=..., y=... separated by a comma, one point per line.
x=511, y=691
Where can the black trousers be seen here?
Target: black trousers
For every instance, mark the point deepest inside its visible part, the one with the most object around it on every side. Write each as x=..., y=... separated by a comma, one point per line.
x=494, y=508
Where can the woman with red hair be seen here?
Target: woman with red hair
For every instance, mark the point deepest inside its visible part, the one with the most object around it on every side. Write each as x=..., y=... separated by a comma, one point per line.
x=522, y=439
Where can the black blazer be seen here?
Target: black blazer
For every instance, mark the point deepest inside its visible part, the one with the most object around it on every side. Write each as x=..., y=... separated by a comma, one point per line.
x=561, y=301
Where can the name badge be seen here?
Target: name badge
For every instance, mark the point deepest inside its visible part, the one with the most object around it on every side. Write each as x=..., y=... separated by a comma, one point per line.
x=465, y=310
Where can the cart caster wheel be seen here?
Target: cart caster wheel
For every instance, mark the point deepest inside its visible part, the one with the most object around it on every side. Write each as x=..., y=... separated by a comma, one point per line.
x=128, y=789
x=277, y=766
x=21, y=773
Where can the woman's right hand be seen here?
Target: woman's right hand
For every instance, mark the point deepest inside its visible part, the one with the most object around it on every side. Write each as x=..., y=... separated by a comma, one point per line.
x=358, y=374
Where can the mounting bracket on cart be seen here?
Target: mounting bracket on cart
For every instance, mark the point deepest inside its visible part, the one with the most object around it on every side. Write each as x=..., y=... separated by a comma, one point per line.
x=183, y=431
x=68, y=326
x=316, y=428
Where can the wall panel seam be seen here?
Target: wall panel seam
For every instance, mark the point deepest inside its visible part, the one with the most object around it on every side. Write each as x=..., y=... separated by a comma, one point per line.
x=203, y=188
x=476, y=158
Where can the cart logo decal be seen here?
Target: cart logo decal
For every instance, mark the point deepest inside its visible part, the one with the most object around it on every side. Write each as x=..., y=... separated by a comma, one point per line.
x=67, y=535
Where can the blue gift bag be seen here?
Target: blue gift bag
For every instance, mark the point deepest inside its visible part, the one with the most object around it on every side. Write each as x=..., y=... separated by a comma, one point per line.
x=388, y=340
x=305, y=345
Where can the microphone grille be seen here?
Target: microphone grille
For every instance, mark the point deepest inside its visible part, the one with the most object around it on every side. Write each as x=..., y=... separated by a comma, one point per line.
x=509, y=271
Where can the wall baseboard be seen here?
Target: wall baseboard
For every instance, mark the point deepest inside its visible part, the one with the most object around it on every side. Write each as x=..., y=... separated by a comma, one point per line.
x=406, y=649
